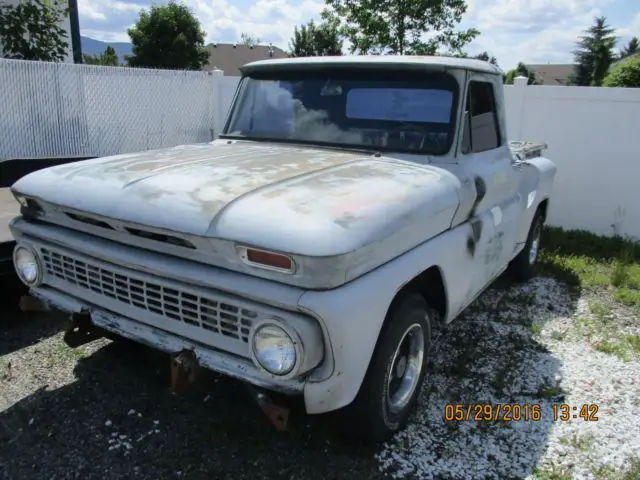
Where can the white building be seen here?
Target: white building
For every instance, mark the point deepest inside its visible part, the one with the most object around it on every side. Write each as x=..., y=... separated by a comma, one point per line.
x=70, y=24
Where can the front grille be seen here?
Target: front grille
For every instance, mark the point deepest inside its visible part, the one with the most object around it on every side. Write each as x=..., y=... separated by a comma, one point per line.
x=214, y=315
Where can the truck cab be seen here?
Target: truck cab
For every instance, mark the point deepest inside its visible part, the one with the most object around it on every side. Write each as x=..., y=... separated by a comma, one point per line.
x=350, y=208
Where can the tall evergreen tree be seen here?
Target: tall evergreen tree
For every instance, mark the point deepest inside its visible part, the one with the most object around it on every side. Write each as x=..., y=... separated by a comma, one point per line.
x=594, y=54
x=109, y=57
x=632, y=47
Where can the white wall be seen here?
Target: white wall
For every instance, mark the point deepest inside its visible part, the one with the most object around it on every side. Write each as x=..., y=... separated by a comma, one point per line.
x=594, y=138
x=65, y=24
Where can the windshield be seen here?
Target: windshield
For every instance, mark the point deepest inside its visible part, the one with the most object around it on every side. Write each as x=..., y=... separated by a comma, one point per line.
x=375, y=109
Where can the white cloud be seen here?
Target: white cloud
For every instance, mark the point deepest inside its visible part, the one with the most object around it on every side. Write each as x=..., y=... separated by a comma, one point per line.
x=103, y=9
x=532, y=31
x=91, y=11
x=527, y=15
x=631, y=30
x=107, y=36
x=272, y=19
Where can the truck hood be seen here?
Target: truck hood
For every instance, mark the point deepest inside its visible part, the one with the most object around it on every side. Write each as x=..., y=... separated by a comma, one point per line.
x=306, y=201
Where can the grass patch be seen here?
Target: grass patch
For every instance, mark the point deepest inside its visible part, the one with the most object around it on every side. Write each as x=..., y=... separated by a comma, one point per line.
x=634, y=472
x=627, y=296
x=596, y=261
x=612, y=473
x=582, y=443
x=536, y=328
x=553, y=473
x=607, y=270
x=549, y=392
x=61, y=354
x=580, y=243
x=617, y=348
x=623, y=347
x=634, y=343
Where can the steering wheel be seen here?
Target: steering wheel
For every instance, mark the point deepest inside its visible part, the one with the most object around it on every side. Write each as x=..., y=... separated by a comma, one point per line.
x=412, y=127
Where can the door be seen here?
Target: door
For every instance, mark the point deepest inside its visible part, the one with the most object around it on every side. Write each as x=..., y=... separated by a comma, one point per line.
x=487, y=163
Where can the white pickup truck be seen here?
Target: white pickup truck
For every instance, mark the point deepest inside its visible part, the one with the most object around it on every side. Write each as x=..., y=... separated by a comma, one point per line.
x=350, y=207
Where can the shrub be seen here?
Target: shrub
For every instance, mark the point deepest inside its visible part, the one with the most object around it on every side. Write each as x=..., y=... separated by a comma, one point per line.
x=625, y=74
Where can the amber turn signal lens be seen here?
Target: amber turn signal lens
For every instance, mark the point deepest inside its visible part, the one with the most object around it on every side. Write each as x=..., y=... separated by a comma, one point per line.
x=269, y=259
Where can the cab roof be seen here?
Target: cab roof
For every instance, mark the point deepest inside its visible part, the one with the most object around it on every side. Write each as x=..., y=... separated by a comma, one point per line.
x=409, y=62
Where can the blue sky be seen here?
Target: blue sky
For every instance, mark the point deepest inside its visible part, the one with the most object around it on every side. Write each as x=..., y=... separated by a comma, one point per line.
x=533, y=31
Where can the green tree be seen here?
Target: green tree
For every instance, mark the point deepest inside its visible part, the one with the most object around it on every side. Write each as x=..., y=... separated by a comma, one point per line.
x=485, y=56
x=521, y=70
x=313, y=40
x=31, y=30
x=632, y=47
x=248, y=40
x=594, y=54
x=400, y=27
x=624, y=74
x=109, y=57
x=168, y=36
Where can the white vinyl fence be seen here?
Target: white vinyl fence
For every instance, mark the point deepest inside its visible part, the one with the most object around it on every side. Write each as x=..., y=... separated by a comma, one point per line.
x=54, y=110
x=593, y=137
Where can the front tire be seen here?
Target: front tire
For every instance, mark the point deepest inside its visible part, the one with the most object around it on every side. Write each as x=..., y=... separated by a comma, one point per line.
x=396, y=373
x=523, y=266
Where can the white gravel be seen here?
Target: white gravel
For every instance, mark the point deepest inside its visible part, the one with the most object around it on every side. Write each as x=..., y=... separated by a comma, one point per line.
x=491, y=356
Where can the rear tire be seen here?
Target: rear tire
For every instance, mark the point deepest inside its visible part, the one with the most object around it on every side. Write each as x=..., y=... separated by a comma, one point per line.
x=396, y=373
x=523, y=266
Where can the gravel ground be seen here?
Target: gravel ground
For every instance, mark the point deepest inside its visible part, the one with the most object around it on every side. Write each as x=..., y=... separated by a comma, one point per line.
x=526, y=345
x=103, y=410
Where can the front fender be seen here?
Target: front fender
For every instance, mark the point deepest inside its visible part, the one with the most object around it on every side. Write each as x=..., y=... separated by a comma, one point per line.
x=536, y=185
x=353, y=315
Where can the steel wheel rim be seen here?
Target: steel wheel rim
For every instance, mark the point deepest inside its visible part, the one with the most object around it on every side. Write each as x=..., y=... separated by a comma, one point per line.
x=535, y=245
x=405, y=368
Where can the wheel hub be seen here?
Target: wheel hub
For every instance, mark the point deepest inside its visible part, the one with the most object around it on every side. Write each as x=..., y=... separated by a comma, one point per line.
x=535, y=246
x=401, y=366
x=406, y=366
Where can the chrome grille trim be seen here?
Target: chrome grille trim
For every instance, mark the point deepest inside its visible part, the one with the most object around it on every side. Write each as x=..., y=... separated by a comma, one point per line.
x=215, y=315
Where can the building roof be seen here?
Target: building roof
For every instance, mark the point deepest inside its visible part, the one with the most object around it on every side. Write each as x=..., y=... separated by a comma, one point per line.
x=229, y=57
x=397, y=61
x=552, y=74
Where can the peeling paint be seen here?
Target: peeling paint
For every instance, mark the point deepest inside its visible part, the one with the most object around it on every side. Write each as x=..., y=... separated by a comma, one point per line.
x=497, y=215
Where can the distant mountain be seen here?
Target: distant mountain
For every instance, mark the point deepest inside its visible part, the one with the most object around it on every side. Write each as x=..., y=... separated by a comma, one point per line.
x=96, y=47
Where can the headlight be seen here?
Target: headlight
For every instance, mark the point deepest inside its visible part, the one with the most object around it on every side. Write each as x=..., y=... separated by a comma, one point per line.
x=27, y=265
x=274, y=349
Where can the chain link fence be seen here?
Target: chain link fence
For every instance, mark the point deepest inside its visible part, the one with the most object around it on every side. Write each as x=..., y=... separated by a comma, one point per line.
x=63, y=110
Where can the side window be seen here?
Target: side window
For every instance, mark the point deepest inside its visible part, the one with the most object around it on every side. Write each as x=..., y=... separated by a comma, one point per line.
x=480, y=129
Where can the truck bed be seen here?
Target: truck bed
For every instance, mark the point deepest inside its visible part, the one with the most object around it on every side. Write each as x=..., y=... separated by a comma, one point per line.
x=9, y=208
